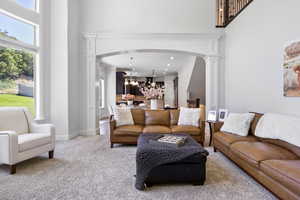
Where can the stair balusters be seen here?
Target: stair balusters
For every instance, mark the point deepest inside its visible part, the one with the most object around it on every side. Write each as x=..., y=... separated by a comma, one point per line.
x=227, y=10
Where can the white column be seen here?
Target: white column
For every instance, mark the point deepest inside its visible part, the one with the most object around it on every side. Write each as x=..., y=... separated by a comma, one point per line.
x=212, y=82
x=91, y=125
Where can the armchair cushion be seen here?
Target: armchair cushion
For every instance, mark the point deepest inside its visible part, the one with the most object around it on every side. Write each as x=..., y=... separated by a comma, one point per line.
x=33, y=140
x=13, y=119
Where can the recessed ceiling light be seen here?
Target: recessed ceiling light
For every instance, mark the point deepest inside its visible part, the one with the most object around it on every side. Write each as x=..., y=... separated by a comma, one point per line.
x=130, y=64
x=169, y=64
x=172, y=58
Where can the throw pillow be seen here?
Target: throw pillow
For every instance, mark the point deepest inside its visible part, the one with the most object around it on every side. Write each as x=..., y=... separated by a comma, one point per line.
x=238, y=123
x=123, y=116
x=279, y=126
x=189, y=116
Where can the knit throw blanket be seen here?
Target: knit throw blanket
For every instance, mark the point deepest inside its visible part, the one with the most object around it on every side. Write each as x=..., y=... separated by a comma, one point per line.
x=149, y=156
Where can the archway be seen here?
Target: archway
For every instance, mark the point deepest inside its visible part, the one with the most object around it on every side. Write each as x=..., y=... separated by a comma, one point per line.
x=204, y=46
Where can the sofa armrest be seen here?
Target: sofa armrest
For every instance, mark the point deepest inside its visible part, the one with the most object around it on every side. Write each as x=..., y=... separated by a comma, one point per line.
x=8, y=147
x=113, y=125
x=217, y=126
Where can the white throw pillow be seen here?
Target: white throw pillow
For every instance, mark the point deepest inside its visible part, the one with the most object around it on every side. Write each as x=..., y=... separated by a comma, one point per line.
x=123, y=116
x=238, y=123
x=278, y=126
x=189, y=116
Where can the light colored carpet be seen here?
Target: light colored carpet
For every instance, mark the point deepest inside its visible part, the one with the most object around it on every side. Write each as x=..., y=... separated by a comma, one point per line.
x=86, y=168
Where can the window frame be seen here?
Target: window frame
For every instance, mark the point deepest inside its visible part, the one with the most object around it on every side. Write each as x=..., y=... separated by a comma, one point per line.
x=101, y=93
x=36, y=6
x=19, y=45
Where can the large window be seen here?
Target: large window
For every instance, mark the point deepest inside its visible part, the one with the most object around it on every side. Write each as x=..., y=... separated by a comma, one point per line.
x=16, y=78
x=14, y=29
x=18, y=58
x=101, y=93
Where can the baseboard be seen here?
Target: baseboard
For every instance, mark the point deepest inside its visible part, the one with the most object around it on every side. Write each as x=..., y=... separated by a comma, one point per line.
x=62, y=137
x=90, y=132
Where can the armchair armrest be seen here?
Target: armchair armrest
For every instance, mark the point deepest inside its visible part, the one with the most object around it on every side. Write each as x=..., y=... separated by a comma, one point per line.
x=8, y=147
x=42, y=128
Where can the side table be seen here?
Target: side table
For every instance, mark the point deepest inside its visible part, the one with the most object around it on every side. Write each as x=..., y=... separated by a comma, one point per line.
x=213, y=126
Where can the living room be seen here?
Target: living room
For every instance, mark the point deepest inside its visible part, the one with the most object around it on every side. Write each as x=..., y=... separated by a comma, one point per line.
x=96, y=86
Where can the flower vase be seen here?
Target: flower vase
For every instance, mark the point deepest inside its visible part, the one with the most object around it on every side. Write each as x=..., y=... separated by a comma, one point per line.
x=153, y=104
x=129, y=102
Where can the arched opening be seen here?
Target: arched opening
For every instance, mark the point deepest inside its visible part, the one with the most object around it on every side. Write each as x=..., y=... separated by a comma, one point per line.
x=182, y=74
x=99, y=46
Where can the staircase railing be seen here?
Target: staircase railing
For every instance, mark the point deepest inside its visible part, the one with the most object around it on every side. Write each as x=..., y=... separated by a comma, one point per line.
x=228, y=10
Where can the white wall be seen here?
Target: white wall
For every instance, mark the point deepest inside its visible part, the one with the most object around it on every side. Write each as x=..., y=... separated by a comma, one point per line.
x=184, y=76
x=254, y=57
x=102, y=74
x=111, y=86
x=197, y=82
x=155, y=16
x=169, y=90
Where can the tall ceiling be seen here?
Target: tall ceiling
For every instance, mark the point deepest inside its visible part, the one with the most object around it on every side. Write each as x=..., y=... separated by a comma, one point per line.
x=145, y=63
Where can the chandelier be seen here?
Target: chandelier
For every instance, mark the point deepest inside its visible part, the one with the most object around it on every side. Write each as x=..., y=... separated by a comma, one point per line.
x=131, y=82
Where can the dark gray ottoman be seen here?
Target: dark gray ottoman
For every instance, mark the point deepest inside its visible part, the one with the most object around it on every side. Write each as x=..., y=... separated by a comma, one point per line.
x=159, y=163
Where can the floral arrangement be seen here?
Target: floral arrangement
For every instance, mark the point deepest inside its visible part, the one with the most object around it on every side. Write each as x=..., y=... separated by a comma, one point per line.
x=153, y=92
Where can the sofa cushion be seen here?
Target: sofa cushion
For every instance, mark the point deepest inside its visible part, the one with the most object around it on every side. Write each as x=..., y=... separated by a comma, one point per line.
x=33, y=140
x=286, y=172
x=255, y=152
x=157, y=117
x=128, y=130
x=192, y=130
x=13, y=119
x=189, y=116
x=123, y=116
x=157, y=129
x=174, y=116
x=138, y=116
x=227, y=138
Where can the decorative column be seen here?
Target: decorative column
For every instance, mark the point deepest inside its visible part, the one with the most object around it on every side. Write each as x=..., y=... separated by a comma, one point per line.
x=212, y=82
x=90, y=126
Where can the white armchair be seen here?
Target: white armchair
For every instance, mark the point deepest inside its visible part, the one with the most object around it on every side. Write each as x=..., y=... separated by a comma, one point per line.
x=21, y=138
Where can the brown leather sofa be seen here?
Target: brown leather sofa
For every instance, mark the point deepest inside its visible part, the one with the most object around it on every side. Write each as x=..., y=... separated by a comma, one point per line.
x=154, y=121
x=273, y=163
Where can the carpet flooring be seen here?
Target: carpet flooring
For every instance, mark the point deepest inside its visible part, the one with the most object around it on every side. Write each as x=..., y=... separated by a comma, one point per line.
x=86, y=168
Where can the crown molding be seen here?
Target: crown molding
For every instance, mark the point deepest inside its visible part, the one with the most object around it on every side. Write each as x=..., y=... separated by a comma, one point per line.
x=119, y=35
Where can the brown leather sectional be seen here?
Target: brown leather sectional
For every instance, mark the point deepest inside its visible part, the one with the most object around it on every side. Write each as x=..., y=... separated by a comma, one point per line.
x=274, y=163
x=155, y=121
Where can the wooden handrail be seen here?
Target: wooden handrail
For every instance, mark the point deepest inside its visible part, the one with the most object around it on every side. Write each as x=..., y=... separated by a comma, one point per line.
x=228, y=10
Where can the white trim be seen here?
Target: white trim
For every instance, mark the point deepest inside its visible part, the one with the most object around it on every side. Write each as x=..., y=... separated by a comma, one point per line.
x=63, y=137
x=18, y=45
x=13, y=9
x=90, y=132
x=102, y=35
